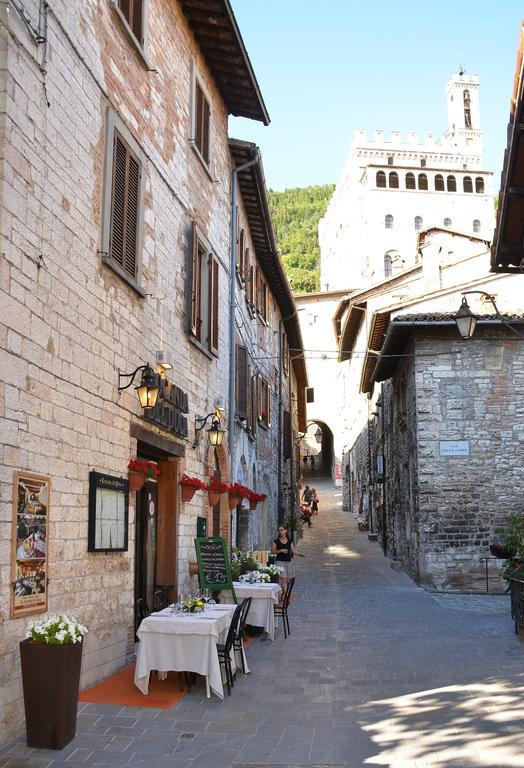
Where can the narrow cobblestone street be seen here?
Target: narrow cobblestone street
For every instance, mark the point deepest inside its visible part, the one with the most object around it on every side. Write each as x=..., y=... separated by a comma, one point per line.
x=376, y=672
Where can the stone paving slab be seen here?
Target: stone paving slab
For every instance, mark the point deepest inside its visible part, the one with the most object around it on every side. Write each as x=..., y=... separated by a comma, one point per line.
x=376, y=672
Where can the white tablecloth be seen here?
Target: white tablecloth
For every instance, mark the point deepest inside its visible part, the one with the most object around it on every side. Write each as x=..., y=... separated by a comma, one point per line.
x=183, y=642
x=263, y=598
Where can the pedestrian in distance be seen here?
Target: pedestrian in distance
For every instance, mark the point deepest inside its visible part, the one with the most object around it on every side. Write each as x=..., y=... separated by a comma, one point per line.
x=314, y=502
x=284, y=550
x=306, y=495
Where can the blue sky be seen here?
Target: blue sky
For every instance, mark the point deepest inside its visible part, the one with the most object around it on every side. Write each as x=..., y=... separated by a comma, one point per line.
x=325, y=69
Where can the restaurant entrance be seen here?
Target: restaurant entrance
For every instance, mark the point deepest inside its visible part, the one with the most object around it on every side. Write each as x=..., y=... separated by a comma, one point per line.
x=145, y=543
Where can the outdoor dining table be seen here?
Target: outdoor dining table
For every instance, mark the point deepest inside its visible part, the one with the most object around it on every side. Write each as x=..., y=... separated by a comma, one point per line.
x=263, y=598
x=184, y=642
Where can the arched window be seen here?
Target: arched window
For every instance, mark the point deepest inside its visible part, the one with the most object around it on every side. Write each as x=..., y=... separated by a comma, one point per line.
x=381, y=179
x=447, y=222
x=467, y=109
x=410, y=181
x=479, y=185
x=422, y=181
x=476, y=225
x=393, y=180
x=439, y=183
x=388, y=265
x=451, y=184
x=392, y=263
x=388, y=221
x=467, y=184
x=418, y=223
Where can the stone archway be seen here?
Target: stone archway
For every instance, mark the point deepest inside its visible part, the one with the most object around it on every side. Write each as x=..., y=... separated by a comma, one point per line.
x=324, y=458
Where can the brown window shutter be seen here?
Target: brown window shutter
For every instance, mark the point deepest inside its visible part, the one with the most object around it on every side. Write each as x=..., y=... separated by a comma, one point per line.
x=198, y=116
x=241, y=382
x=286, y=435
x=268, y=404
x=256, y=297
x=195, y=282
x=205, y=129
x=137, y=21
x=125, y=206
x=251, y=292
x=266, y=302
x=125, y=7
x=254, y=404
x=242, y=254
x=213, y=306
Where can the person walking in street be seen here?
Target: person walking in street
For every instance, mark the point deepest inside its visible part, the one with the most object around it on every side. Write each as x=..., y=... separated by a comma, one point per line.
x=306, y=496
x=314, y=501
x=284, y=550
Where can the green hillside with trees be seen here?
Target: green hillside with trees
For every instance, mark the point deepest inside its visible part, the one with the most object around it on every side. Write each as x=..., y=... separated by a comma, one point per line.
x=296, y=213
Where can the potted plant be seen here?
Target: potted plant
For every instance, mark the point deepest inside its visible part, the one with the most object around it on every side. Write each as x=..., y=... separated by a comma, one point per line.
x=139, y=471
x=214, y=488
x=51, y=656
x=189, y=486
x=254, y=498
x=237, y=492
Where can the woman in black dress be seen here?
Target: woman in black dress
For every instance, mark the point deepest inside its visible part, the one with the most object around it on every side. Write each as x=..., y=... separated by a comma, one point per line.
x=283, y=548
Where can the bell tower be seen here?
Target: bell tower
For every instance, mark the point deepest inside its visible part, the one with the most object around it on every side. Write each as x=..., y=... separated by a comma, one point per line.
x=462, y=94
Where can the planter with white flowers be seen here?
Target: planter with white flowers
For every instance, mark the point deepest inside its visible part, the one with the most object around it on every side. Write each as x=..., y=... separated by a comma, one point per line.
x=51, y=656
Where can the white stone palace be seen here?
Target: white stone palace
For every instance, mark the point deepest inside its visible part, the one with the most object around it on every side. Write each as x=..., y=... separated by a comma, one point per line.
x=393, y=188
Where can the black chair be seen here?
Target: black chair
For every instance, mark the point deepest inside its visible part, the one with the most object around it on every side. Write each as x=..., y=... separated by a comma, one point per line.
x=224, y=651
x=281, y=610
x=142, y=609
x=239, y=634
x=160, y=600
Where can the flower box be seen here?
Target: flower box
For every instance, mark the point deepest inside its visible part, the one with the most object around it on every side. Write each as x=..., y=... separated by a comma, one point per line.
x=139, y=472
x=189, y=485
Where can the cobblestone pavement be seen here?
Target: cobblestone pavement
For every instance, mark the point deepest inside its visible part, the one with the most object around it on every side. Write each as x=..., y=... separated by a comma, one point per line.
x=376, y=672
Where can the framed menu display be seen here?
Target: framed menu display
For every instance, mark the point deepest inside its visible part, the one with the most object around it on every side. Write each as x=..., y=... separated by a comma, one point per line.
x=108, y=513
x=31, y=497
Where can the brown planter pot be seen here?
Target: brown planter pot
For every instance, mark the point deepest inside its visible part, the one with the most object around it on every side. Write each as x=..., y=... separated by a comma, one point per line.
x=234, y=501
x=213, y=497
x=253, y=504
x=136, y=480
x=187, y=492
x=51, y=679
x=193, y=568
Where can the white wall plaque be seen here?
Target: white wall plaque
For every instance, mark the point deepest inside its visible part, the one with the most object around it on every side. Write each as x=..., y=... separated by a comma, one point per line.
x=454, y=448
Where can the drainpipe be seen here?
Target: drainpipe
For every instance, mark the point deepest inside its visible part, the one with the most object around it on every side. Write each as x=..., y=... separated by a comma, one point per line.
x=232, y=307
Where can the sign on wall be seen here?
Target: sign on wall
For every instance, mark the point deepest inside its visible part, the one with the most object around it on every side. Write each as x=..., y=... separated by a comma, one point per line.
x=108, y=513
x=454, y=448
x=29, y=563
x=214, y=567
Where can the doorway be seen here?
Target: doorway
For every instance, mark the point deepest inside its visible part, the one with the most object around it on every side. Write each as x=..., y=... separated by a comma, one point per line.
x=145, y=544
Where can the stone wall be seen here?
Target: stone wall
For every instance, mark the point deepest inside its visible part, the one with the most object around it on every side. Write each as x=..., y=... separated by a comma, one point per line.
x=68, y=323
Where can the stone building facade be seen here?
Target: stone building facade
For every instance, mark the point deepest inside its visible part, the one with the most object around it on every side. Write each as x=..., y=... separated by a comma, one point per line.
x=393, y=187
x=115, y=223
x=449, y=425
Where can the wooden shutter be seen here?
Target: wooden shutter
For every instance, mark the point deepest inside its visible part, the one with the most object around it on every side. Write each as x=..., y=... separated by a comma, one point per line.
x=195, y=283
x=125, y=207
x=286, y=435
x=133, y=12
x=205, y=129
x=251, y=291
x=254, y=404
x=213, y=305
x=241, y=382
x=268, y=404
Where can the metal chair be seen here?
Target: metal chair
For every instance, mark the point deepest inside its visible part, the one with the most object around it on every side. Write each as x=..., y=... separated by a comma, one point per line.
x=224, y=651
x=160, y=600
x=239, y=634
x=142, y=609
x=281, y=610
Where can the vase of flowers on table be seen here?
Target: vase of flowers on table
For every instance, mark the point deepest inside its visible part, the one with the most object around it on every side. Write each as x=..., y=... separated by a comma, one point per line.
x=192, y=605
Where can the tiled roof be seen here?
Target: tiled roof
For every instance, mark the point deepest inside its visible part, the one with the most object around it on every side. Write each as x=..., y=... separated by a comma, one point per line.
x=216, y=32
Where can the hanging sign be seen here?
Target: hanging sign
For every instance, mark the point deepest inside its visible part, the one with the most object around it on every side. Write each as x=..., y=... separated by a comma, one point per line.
x=171, y=405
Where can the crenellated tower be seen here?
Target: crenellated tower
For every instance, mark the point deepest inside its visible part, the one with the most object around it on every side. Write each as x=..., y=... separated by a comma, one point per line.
x=462, y=94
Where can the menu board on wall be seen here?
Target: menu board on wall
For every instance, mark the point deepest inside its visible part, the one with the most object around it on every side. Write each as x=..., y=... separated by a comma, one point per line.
x=108, y=513
x=31, y=496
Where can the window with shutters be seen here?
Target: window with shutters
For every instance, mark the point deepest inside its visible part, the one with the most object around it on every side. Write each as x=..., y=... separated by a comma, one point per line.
x=252, y=415
x=123, y=210
x=242, y=382
x=133, y=16
x=264, y=402
x=287, y=447
x=263, y=299
x=201, y=123
x=285, y=354
x=204, y=309
x=241, y=255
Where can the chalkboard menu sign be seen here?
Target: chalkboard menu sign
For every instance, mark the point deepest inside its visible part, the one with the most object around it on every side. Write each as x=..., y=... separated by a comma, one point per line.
x=214, y=568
